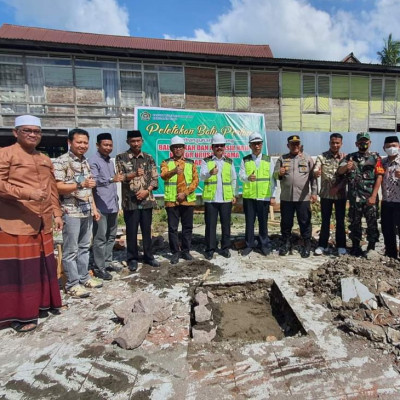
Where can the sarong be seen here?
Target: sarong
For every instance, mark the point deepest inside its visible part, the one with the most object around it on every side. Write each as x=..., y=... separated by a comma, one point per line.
x=28, y=276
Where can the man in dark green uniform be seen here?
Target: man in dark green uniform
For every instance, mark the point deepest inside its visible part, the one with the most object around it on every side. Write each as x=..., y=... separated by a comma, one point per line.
x=363, y=170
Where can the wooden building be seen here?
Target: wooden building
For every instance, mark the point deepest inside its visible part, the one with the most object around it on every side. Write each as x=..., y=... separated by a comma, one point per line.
x=71, y=79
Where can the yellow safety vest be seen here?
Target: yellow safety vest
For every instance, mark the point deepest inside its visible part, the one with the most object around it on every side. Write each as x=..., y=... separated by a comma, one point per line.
x=170, y=186
x=261, y=187
x=210, y=184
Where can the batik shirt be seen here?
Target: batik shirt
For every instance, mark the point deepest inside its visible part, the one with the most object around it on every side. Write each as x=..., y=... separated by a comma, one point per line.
x=361, y=179
x=126, y=163
x=391, y=184
x=69, y=168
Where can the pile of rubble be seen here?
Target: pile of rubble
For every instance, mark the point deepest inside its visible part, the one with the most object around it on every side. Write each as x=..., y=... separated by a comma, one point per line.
x=363, y=295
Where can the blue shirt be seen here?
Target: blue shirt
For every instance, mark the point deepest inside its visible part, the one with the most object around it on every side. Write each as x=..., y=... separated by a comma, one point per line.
x=105, y=193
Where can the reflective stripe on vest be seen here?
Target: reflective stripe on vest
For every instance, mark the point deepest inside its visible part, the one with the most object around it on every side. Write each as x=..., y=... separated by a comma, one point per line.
x=170, y=186
x=261, y=187
x=210, y=184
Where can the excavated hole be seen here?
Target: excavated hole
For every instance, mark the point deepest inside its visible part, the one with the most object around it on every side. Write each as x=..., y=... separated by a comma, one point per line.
x=249, y=312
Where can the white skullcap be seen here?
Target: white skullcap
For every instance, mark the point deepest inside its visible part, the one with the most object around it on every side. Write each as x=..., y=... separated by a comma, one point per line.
x=177, y=140
x=27, y=120
x=218, y=139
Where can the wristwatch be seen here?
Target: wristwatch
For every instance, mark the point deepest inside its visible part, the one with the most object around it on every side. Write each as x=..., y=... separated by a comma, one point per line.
x=111, y=180
x=79, y=185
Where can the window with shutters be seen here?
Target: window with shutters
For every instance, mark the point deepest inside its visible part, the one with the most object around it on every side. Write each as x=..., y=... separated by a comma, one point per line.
x=316, y=93
x=233, y=90
x=383, y=96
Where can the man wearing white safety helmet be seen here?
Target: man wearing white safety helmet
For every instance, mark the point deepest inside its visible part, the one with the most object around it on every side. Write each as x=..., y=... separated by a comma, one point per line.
x=256, y=173
x=219, y=176
x=180, y=182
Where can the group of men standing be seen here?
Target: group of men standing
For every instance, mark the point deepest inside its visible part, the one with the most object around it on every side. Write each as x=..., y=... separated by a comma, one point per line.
x=79, y=196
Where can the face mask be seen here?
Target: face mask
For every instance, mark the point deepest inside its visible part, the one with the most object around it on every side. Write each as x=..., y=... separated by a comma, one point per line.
x=392, y=151
x=363, y=146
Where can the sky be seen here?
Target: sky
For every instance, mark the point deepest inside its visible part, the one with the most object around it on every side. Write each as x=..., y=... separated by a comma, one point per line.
x=303, y=29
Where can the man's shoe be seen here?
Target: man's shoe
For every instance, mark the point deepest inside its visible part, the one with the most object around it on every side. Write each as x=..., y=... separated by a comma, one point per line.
x=186, y=256
x=306, y=250
x=209, y=255
x=93, y=283
x=371, y=246
x=115, y=266
x=175, y=258
x=78, y=291
x=319, y=251
x=356, y=251
x=132, y=265
x=225, y=253
x=102, y=274
x=153, y=263
x=266, y=250
x=341, y=251
x=246, y=251
x=285, y=248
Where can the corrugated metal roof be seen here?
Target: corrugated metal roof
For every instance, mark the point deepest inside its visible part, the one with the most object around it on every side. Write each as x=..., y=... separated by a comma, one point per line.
x=16, y=32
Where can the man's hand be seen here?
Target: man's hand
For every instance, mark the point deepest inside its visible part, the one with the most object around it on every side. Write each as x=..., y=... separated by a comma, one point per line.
x=140, y=172
x=350, y=165
x=272, y=201
x=313, y=198
x=317, y=172
x=89, y=183
x=180, y=197
x=118, y=178
x=371, y=200
x=179, y=170
x=282, y=171
x=252, y=177
x=142, y=194
x=397, y=173
x=214, y=171
x=37, y=195
x=234, y=200
x=96, y=215
x=58, y=223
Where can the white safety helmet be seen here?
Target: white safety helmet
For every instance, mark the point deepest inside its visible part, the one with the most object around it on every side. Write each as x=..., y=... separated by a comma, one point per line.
x=177, y=140
x=255, y=137
x=218, y=139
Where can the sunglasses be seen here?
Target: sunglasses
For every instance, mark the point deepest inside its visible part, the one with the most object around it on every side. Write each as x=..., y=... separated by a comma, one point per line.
x=27, y=131
x=218, y=145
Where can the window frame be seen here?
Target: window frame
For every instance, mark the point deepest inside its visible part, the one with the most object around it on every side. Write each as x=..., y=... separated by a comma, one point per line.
x=234, y=94
x=317, y=109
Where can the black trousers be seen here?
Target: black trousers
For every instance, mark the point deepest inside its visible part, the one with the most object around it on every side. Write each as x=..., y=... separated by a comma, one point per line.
x=133, y=219
x=326, y=213
x=211, y=212
x=390, y=222
x=303, y=214
x=185, y=215
x=256, y=208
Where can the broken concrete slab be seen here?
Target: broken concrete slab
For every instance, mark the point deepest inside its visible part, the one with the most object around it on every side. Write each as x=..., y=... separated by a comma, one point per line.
x=391, y=303
x=203, y=336
x=367, y=329
x=201, y=298
x=202, y=313
x=393, y=336
x=352, y=287
x=132, y=335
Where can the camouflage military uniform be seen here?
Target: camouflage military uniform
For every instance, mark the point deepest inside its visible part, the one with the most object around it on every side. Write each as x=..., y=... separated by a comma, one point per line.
x=361, y=181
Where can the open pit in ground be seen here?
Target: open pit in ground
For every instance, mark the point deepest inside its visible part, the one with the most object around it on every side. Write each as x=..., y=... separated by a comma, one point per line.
x=248, y=312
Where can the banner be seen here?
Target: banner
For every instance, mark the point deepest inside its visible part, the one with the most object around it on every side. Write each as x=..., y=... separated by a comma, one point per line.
x=160, y=125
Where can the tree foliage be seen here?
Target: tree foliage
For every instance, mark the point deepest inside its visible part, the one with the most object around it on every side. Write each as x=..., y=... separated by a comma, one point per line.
x=390, y=54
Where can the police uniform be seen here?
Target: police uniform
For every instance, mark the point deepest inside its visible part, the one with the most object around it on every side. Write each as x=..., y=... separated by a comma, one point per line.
x=297, y=186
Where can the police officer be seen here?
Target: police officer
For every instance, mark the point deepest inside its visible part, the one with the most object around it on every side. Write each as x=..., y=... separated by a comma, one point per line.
x=258, y=185
x=180, y=182
x=219, y=176
x=390, y=211
x=363, y=170
x=294, y=171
